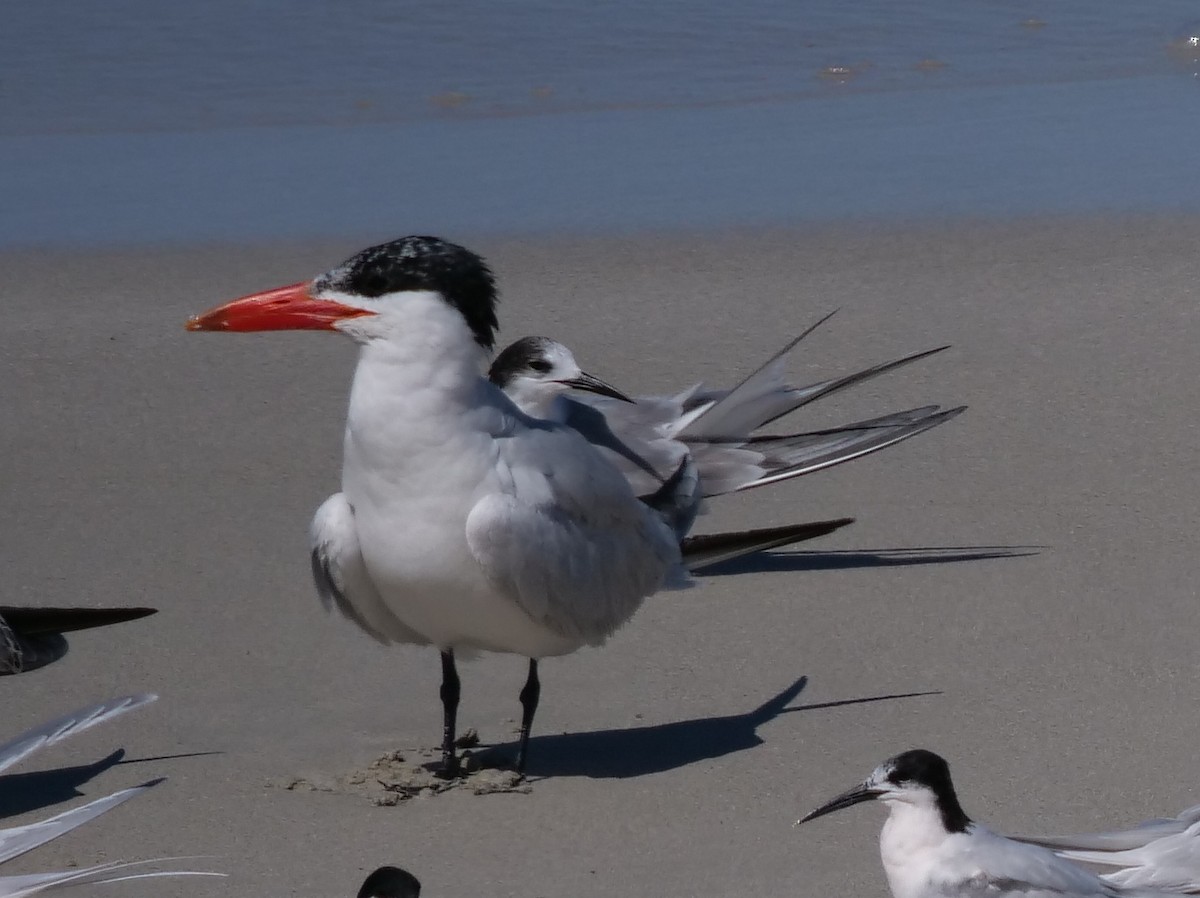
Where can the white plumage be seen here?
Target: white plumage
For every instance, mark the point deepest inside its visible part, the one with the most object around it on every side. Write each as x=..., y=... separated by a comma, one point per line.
x=462, y=522
x=931, y=849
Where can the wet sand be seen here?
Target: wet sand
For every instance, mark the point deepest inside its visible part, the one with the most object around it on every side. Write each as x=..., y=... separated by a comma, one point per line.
x=146, y=465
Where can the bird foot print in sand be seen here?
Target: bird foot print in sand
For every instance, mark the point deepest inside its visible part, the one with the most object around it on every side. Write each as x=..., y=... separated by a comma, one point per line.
x=400, y=776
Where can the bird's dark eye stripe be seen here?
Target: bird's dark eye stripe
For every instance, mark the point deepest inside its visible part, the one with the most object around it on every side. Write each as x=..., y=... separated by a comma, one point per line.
x=540, y=365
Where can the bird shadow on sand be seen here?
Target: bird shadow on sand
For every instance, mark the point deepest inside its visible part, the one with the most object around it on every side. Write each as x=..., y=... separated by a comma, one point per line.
x=638, y=751
x=21, y=792
x=24, y=792
x=849, y=559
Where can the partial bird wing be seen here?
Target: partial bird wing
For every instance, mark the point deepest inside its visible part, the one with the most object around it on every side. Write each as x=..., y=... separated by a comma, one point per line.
x=1121, y=840
x=30, y=621
x=791, y=456
x=33, y=883
x=702, y=550
x=678, y=500
x=804, y=395
x=1158, y=854
x=68, y=725
x=17, y=840
x=341, y=576
x=982, y=864
x=761, y=397
x=33, y=637
x=571, y=546
x=594, y=426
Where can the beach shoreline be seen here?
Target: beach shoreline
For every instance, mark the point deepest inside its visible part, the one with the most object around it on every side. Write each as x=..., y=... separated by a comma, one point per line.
x=146, y=465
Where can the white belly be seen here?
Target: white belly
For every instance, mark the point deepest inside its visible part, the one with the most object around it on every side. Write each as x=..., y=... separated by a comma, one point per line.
x=417, y=556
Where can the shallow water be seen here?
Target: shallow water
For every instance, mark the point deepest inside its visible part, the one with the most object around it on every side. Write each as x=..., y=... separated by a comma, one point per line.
x=135, y=122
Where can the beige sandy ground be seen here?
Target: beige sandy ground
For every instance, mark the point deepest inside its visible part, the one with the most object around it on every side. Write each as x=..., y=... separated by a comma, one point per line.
x=143, y=464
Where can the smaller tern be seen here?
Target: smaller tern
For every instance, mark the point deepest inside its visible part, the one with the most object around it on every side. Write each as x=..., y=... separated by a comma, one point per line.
x=718, y=428
x=538, y=373
x=18, y=840
x=1163, y=853
x=33, y=637
x=390, y=882
x=932, y=849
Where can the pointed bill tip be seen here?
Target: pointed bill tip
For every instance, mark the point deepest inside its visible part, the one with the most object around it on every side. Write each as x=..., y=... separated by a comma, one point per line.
x=283, y=308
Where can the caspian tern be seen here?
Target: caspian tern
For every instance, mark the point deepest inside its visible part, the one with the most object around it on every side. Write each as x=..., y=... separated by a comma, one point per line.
x=462, y=523
x=719, y=429
x=1163, y=853
x=33, y=637
x=390, y=882
x=932, y=849
x=18, y=840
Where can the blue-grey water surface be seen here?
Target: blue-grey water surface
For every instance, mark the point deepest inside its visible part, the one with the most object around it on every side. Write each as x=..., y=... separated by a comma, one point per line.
x=135, y=122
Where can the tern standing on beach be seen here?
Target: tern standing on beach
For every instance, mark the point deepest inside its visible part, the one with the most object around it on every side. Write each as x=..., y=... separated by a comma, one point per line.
x=462, y=523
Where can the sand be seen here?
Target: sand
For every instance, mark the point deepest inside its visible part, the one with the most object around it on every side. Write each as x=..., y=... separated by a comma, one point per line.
x=146, y=465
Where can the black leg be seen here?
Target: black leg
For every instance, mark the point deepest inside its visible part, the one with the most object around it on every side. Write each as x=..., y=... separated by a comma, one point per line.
x=450, y=691
x=529, y=701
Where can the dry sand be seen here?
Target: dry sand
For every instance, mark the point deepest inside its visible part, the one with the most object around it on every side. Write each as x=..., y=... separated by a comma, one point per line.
x=146, y=465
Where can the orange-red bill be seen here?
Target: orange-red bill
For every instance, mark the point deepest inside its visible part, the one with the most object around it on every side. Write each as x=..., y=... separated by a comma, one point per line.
x=284, y=308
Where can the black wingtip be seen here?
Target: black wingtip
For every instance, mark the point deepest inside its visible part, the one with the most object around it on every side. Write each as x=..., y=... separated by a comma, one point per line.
x=390, y=882
x=34, y=621
x=706, y=549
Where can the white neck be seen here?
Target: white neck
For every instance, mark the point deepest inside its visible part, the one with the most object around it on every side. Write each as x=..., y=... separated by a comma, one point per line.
x=911, y=837
x=419, y=376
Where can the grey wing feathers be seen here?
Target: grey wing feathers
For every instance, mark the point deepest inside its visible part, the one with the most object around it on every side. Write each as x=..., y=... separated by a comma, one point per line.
x=799, y=454
x=68, y=725
x=764, y=397
x=114, y=871
x=1156, y=854
x=804, y=395
x=17, y=840
x=572, y=547
x=1121, y=840
x=329, y=589
x=341, y=576
x=592, y=423
x=761, y=397
x=678, y=500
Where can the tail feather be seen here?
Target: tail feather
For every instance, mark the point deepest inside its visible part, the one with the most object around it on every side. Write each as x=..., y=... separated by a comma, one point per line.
x=707, y=549
x=802, y=396
x=32, y=883
x=68, y=725
x=17, y=840
x=753, y=402
x=805, y=453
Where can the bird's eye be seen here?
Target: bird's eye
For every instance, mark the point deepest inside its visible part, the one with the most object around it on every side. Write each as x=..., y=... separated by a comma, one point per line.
x=540, y=365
